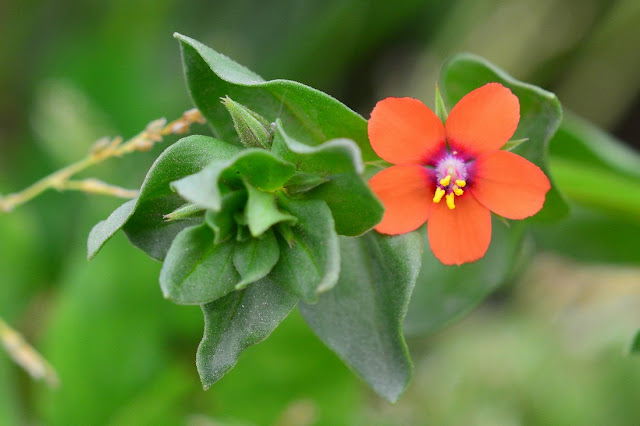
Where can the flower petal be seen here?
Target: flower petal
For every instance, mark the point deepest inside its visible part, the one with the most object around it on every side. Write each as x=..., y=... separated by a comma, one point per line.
x=509, y=185
x=407, y=193
x=405, y=131
x=460, y=235
x=484, y=119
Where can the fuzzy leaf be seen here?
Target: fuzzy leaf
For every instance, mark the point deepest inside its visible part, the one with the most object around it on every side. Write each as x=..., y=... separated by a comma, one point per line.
x=308, y=114
x=104, y=230
x=196, y=270
x=222, y=223
x=255, y=257
x=361, y=319
x=258, y=167
x=354, y=207
x=238, y=320
x=310, y=260
x=262, y=211
x=143, y=219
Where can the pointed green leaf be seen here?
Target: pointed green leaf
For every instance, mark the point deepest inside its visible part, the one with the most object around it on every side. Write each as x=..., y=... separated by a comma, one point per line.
x=354, y=207
x=238, y=320
x=255, y=258
x=302, y=182
x=186, y=211
x=222, y=222
x=260, y=168
x=104, y=230
x=513, y=144
x=310, y=263
x=331, y=157
x=143, y=219
x=540, y=115
x=196, y=270
x=443, y=294
x=308, y=114
x=262, y=211
x=441, y=110
x=361, y=319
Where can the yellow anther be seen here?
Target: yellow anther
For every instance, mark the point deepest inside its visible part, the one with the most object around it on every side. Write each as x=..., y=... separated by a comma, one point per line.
x=458, y=191
x=439, y=195
x=461, y=183
x=450, y=202
x=446, y=181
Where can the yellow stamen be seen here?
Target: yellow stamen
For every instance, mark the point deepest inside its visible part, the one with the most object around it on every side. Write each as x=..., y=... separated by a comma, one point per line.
x=445, y=181
x=438, y=196
x=458, y=191
x=450, y=202
x=461, y=183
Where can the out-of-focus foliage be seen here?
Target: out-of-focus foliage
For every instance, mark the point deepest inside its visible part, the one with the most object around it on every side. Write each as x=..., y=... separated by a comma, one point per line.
x=71, y=71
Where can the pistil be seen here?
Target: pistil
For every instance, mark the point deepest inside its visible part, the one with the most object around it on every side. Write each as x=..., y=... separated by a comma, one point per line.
x=451, y=175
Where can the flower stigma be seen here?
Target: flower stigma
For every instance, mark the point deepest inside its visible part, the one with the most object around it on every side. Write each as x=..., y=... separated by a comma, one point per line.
x=451, y=176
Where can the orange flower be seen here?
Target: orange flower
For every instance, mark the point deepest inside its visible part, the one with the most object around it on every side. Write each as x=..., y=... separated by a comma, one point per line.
x=453, y=175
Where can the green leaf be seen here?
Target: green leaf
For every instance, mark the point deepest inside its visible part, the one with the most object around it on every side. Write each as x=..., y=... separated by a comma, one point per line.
x=255, y=258
x=354, y=207
x=258, y=167
x=222, y=222
x=143, y=219
x=361, y=319
x=308, y=114
x=302, y=182
x=596, y=170
x=580, y=141
x=262, y=211
x=599, y=188
x=196, y=270
x=104, y=230
x=186, y=211
x=253, y=130
x=310, y=263
x=540, y=115
x=513, y=144
x=441, y=110
x=443, y=294
x=238, y=320
x=590, y=235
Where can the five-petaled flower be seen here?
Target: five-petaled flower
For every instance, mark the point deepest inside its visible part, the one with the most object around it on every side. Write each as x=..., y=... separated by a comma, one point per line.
x=453, y=176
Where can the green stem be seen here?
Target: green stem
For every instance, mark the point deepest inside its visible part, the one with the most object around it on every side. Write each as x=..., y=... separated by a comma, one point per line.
x=101, y=151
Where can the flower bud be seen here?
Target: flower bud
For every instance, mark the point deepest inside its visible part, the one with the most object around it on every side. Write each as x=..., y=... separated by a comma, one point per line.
x=254, y=130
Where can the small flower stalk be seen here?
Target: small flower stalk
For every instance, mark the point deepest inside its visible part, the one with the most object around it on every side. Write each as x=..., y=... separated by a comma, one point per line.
x=450, y=171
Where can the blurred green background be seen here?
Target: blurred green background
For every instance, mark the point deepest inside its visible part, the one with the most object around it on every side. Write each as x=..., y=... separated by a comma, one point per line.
x=548, y=348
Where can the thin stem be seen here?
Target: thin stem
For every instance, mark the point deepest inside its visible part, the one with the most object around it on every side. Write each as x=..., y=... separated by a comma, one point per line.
x=102, y=150
x=26, y=356
x=95, y=186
